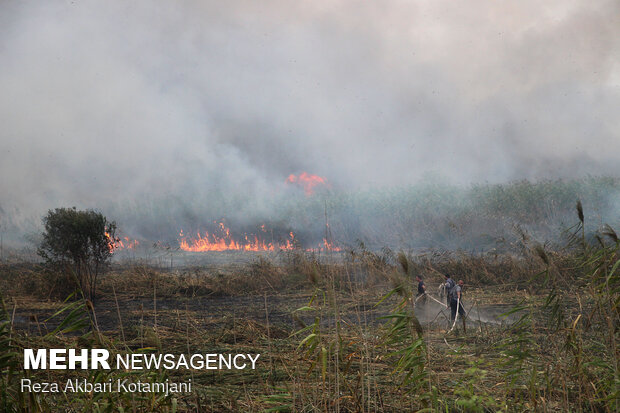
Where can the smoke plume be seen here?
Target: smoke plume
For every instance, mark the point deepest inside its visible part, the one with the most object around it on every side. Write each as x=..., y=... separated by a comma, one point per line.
x=189, y=111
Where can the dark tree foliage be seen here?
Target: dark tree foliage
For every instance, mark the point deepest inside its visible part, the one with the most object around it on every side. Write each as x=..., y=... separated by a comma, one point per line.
x=80, y=242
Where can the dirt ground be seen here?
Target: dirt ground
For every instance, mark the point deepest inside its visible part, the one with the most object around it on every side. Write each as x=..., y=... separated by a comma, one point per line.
x=212, y=312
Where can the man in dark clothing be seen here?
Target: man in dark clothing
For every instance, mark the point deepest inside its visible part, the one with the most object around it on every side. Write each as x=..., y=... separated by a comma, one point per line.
x=448, y=287
x=421, y=295
x=456, y=300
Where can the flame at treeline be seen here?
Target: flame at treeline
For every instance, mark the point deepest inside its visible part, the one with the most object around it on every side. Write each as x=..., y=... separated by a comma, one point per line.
x=307, y=181
x=222, y=240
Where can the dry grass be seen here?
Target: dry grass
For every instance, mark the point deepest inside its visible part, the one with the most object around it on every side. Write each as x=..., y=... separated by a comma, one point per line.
x=530, y=365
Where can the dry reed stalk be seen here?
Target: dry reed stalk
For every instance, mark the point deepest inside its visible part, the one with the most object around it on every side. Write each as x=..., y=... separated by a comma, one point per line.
x=141, y=326
x=36, y=319
x=368, y=361
x=12, y=323
x=338, y=338
x=271, y=367
x=361, y=374
x=155, y=307
x=118, y=311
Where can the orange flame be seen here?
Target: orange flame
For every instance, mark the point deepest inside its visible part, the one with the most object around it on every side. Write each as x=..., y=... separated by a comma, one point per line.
x=329, y=246
x=126, y=243
x=121, y=244
x=223, y=241
x=111, y=242
x=307, y=181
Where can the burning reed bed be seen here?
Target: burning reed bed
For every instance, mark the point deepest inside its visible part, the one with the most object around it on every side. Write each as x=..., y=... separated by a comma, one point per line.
x=343, y=334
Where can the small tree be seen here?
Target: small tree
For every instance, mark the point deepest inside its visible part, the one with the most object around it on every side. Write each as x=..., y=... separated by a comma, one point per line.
x=80, y=242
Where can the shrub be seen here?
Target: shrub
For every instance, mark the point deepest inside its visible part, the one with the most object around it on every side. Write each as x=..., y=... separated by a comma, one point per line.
x=78, y=242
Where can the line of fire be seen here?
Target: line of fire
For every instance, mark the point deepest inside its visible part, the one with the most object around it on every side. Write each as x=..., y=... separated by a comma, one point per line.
x=220, y=238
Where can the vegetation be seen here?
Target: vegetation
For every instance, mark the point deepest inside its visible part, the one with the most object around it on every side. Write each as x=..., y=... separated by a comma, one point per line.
x=430, y=214
x=343, y=332
x=79, y=243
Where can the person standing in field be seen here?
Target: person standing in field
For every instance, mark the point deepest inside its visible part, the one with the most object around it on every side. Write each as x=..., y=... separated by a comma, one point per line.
x=421, y=295
x=448, y=287
x=456, y=300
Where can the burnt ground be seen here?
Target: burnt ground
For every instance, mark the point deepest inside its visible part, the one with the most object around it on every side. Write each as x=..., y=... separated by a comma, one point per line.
x=226, y=324
x=213, y=312
x=206, y=312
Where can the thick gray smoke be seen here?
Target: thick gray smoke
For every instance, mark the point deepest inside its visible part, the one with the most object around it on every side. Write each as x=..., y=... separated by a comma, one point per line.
x=191, y=110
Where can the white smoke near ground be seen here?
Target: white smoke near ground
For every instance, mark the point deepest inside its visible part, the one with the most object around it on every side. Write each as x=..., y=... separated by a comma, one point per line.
x=193, y=110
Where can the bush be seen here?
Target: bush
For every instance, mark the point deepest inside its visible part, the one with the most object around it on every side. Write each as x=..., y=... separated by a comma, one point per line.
x=79, y=243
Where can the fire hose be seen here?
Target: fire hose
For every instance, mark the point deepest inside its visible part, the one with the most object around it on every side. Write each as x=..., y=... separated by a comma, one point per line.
x=458, y=303
x=456, y=317
x=431, y=297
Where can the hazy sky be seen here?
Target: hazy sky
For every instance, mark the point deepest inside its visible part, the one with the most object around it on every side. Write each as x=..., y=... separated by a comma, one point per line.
x=105, y=101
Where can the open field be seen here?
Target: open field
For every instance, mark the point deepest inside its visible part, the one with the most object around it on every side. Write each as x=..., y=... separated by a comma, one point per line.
x=271, y=181
x=339, y=334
